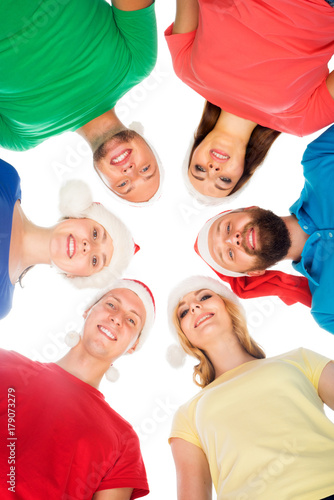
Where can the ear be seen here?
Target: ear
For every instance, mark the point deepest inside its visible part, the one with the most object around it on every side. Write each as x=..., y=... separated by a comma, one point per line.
x=256, y=273
x=133, y=348
x=85, y=313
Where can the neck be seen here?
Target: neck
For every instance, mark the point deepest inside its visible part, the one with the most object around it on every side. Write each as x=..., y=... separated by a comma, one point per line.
x=228, y=354
x=235, y=126
x=85, y=367
x=97, y=131
x=298, y=238
x=29, y=244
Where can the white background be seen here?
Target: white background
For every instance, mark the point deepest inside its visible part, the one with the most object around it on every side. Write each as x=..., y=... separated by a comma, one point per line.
x=149, y=390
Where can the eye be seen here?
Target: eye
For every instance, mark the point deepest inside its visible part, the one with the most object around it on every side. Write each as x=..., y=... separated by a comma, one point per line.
x=228, y=229
x=225, y=179
x=94, y=261
x=94, y=234
x=199, y=168
x=122, y=185
x=206, y=297
x=145, y=169
x=111, y=305
x=230, y=254
x=184, y=313
x=132, y=321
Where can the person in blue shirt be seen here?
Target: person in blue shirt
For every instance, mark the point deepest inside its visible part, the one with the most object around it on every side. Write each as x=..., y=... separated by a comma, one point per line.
x=89, y=245
x=245, y=242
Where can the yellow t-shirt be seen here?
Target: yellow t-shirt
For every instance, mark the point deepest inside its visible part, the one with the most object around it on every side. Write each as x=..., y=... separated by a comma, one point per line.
x=263, y=430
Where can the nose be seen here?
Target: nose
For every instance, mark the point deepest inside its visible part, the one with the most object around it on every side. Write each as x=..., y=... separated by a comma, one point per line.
x=115, y=318
x=214, y=168
x=194, y=306
x=234, y=239
x=85, y=246
x=128, y=169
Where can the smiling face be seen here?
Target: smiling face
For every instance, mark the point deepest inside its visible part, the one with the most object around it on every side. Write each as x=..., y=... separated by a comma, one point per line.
x=80, y=247
x=203, y=317
x=128, y=166
x=248, y=240
x=217, y=164
x=113, y=324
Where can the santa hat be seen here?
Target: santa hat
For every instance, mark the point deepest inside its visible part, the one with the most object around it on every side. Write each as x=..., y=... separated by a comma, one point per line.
x=203, y=248
x=145, y=295
x=75, y=201
x=138, y=127
x=175, y=355
x=288, y=287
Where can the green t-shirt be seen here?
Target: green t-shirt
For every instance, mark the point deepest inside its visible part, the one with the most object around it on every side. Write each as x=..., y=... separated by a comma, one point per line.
x=65, y=62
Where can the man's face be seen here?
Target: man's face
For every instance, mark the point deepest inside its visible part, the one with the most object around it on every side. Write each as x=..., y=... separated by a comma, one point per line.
x=113, y=324
x=128, y=166
x=249, y=240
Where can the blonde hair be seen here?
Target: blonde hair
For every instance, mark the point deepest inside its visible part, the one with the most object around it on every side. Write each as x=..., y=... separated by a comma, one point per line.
x=204, y=372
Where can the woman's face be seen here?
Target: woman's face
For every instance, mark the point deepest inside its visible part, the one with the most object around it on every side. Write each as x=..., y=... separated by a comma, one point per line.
x=80, y=247
x=113, y=324
x=203, y=317
x=217, y=164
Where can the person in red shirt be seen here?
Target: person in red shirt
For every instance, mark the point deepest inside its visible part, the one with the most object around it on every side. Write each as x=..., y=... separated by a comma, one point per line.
x=263, y=69
x=62, y=439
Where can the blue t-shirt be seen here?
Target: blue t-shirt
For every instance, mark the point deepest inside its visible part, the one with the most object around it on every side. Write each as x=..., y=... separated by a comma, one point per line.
x=10, y=192
x=315, y=213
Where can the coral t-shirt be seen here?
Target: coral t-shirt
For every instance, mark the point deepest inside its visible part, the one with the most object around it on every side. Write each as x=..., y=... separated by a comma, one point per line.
x=263, y=60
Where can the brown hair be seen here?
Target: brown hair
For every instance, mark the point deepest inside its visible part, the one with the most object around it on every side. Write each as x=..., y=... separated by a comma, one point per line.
x=257, y=148
x=204, y=372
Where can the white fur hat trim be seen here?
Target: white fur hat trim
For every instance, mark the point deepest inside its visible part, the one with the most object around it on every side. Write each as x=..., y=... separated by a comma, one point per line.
x=204, y=251
x=75, y=201
x=145, y=296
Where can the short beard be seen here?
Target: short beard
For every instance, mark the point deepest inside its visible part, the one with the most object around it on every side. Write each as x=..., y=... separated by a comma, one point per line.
x=122, y=136
x=273, y=235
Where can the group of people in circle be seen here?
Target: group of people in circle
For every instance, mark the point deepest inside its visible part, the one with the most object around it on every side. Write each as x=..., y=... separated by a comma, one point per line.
x=262, y=68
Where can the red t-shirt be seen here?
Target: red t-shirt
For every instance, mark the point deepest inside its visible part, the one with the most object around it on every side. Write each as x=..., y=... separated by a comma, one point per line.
x=68, y=443
x=263, y=60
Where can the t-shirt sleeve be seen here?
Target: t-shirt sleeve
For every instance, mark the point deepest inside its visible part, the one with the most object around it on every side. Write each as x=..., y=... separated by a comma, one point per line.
x=320, y=150
x=180, y=47
x=129, y=470
x=183, y=426
x=310, y=363
x=319, y=111
x=139, y=30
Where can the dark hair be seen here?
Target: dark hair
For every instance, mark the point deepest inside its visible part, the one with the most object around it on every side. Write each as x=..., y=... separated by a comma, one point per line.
x=258, y=146
x=22, y=275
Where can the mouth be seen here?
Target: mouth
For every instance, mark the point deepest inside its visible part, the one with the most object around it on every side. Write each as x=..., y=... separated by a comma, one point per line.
x=107, y=333
x=203, y=318
x=250, y=239
x=219, y=155
x=121, y=158
x=71, y=246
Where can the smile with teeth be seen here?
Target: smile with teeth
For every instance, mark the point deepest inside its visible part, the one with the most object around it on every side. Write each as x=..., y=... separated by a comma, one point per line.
x=121, y=158
x=219, y=156
x=71, y=246
x=107, y=332
x=203, y=318
x=251, y=238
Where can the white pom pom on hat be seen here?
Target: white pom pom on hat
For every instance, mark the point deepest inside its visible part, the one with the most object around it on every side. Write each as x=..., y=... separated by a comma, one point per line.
x=176, y=356
x=145, y=295
x=75, y=201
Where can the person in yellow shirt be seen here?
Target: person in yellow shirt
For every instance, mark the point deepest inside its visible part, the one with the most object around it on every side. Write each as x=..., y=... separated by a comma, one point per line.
x=257, y=429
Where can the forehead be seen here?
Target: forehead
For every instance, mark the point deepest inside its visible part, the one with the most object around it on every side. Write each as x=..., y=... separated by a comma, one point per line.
x=81, y=223
x=127, y=299
x=194, y=295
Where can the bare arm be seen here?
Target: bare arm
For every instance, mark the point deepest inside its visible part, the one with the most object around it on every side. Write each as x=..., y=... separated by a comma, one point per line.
x=131, y=4
x=192, y=471
x=186, y=19
x=326, y=385
x=330, y=83
x=114, y=494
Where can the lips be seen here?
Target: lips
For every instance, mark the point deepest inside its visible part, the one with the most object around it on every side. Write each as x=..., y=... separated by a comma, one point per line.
x=250, y=239
x=107, y=333
x=121, y=158
x=219, y=155
x=202, y=318
x=71, y=246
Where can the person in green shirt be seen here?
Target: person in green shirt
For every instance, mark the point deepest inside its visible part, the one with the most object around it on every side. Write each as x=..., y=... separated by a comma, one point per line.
x=64, y=65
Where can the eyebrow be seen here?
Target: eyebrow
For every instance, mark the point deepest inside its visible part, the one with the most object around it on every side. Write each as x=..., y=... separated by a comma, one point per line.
x=196, y=177
x=222, y=189
x=196, y=293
